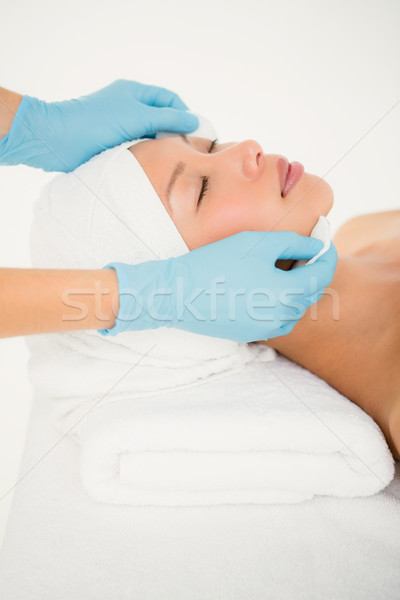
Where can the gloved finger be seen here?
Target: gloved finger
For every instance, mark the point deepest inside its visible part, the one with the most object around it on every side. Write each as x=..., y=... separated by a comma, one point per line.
x=320, y=273
x=295, y=246
x=161, y=97
x=276, y=245
x=169, y=119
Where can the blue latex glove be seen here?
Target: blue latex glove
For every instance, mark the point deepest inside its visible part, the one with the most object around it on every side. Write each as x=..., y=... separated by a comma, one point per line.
x=191, y=292
x=60, y=136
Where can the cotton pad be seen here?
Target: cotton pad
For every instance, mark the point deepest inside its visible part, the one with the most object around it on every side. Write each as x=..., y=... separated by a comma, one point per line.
x=204, y=130
x=321, y=231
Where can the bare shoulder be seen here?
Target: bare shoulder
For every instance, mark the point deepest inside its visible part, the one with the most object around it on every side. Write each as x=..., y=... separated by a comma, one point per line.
x=361, y=231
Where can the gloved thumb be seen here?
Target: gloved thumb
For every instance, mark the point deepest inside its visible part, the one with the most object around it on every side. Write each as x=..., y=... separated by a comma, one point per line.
x=170, y=119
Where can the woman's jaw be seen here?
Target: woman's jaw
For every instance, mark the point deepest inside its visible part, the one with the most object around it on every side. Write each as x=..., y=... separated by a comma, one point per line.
x=239, y=184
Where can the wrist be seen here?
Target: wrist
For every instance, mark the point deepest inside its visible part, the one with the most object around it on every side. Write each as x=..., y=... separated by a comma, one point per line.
x=140, y=304
x=9, y=104
x=24, y=142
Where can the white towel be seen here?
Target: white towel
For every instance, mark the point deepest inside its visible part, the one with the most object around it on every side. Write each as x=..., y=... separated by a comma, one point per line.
x=169, y=417
x=269, y=434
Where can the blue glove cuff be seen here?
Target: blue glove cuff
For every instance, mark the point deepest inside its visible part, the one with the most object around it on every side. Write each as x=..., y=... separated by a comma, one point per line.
x=123, y=283
x=145, y=294
x=18, y=142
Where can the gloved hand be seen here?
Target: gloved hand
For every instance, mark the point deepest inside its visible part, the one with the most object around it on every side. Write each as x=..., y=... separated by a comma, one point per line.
x=215, y=290
x=60, y=136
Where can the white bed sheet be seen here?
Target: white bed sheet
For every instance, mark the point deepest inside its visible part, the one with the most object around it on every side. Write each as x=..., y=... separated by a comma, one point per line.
x=60, y=544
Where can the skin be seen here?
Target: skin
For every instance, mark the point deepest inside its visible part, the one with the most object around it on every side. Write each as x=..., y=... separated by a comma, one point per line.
x=36, y=301
x=244, y=191
x=350, y=337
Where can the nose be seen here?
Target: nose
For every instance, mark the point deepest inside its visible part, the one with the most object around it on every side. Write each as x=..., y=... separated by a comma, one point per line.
x=249, y=158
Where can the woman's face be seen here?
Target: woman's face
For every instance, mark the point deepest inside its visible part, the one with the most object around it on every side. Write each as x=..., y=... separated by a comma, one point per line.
x=243, y=191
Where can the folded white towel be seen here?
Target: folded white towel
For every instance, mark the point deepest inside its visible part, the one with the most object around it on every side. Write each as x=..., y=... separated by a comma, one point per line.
x=169, y=417
x=272, y=433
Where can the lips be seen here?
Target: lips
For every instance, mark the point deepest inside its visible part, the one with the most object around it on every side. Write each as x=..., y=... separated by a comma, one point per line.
x=283, y=167
x=289, y=174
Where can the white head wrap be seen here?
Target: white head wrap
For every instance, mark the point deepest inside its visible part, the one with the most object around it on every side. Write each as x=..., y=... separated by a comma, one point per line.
x=104, y=211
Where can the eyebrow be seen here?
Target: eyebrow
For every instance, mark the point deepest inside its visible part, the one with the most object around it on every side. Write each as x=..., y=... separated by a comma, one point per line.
x=180, y=167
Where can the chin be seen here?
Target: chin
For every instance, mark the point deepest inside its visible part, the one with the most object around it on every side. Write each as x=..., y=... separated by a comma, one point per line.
x=323, y=194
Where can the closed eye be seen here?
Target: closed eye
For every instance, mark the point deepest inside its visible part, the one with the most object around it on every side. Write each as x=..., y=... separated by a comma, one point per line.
x=204, y=185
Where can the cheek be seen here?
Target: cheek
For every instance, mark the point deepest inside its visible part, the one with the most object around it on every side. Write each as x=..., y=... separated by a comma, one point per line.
x=223, y=215
x=228, y=216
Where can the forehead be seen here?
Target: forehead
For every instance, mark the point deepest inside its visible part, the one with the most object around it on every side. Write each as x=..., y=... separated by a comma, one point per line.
x=168, y=146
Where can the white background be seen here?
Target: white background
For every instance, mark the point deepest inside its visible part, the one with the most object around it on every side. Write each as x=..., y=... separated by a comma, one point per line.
x=309, y=79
